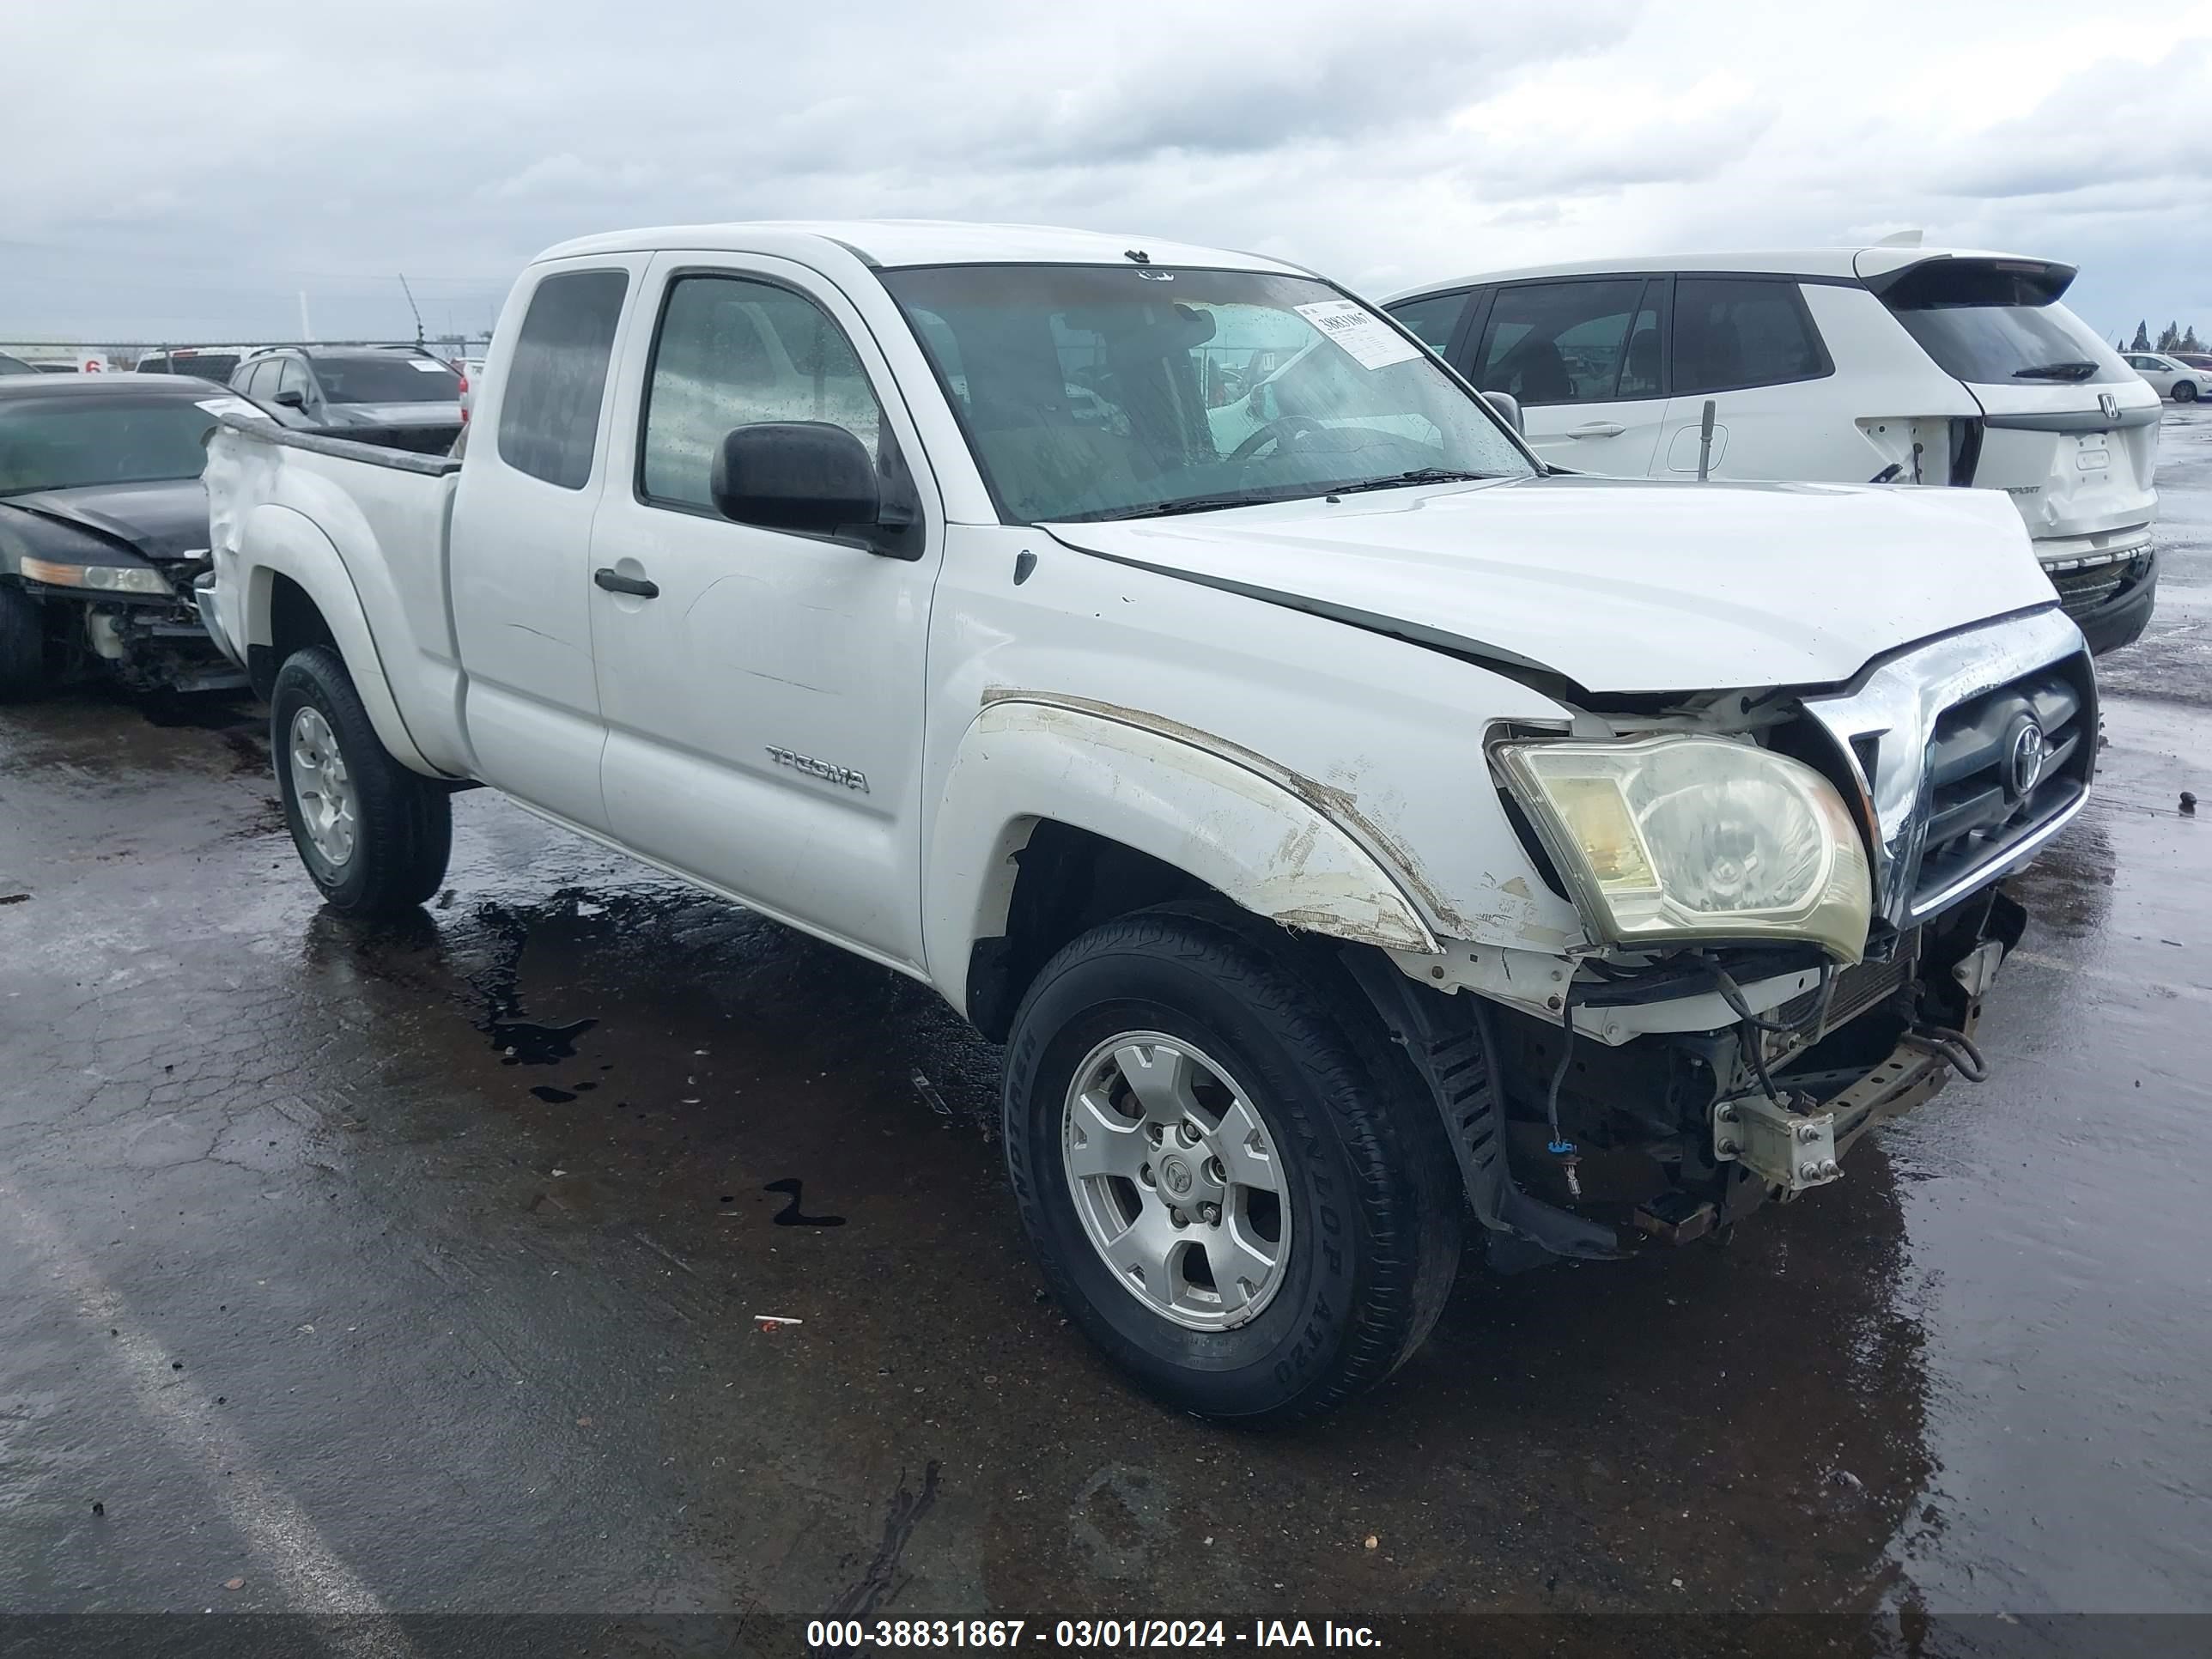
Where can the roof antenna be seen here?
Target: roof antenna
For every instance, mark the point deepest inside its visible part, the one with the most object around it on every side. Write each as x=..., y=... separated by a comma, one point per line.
x=1137, y=254
x=412, y=306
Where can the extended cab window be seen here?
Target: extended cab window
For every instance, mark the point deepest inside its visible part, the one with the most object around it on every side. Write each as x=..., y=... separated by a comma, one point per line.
x=733, y=352
x=1733, y=331
x=548, y=414
x=1565, y=342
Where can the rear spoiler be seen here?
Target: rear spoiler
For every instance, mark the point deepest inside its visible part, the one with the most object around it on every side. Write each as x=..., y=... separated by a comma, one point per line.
x=1931, y=280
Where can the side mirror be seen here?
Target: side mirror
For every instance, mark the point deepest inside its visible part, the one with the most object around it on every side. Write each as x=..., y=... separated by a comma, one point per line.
x=1265, y=404
x=291, y=397
x=804, y=476
x=1508, y=409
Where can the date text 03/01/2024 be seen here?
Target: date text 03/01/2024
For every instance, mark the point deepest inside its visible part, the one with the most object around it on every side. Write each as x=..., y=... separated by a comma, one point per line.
x=1080, y=1635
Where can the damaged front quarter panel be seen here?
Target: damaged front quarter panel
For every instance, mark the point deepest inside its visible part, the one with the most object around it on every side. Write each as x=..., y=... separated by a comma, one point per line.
x=1230, y=820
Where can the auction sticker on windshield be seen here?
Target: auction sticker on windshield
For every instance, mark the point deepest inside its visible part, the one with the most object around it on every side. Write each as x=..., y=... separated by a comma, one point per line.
x=233, y=406
x=1373, y=343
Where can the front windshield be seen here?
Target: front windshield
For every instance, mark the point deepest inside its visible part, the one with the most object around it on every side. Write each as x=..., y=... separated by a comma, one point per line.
x=1102, y=392
x=392, y=379
x=60, y=443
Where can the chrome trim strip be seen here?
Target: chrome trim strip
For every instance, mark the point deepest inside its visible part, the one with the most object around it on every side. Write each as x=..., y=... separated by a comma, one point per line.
x=2026, y=848
x=2078, y=420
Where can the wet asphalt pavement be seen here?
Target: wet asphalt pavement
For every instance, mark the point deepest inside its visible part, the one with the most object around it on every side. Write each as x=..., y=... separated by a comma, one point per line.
x=418, y=1268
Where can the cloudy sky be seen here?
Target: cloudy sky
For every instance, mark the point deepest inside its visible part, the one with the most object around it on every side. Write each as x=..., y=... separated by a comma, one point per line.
x=182, y=169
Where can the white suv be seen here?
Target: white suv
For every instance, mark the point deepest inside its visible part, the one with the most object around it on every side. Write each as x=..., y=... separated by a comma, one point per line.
x=1889, y=365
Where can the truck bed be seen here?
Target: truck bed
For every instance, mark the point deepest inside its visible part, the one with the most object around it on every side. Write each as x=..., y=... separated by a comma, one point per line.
x=368, y=501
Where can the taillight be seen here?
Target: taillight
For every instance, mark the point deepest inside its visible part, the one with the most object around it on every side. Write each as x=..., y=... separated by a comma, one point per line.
x=464, y=395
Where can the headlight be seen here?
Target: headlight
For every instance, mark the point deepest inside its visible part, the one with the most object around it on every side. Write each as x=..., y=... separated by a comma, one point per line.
x=101, y=578
x=1676, y=839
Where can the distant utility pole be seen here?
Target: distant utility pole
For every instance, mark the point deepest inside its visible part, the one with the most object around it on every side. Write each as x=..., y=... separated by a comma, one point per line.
x=306, y=329
x=412, y=306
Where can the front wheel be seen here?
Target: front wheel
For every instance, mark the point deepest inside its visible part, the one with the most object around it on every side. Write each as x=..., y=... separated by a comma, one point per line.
x=1231, y=1182
x=2185, y=391
x=374, y=836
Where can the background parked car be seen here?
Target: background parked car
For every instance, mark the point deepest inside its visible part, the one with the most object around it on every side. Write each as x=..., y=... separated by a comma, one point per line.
x=215, y=363
x=2194, y=359
x=2172, y=377
x=103, y=526
x=1886, y=364
x=354, y=386
x=14, y=365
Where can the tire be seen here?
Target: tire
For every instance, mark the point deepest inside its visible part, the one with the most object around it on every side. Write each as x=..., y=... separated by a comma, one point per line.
x=2185, y=391
x=22, y=644
x=398, y=824
x=1366, y=1218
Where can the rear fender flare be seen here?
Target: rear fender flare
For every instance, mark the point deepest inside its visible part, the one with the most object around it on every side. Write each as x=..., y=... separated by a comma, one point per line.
x=276, y=540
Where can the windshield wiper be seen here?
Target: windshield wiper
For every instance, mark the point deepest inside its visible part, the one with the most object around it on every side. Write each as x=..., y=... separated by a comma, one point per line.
x=1419, y=475
x=1206, y=504
x=1215, y=503
x=2073, y=368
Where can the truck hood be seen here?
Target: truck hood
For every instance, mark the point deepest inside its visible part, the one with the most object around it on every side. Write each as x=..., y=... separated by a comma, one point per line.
x=162, y=521
x=1620, y=585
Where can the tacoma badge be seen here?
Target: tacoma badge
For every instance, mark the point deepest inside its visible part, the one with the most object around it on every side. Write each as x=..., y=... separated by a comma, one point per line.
x=819, y=768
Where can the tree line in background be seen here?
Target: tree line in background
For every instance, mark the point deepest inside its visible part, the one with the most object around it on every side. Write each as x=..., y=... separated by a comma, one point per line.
x=2171, y=337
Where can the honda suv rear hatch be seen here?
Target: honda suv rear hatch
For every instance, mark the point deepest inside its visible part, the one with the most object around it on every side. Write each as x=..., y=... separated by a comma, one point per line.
x=2068, y=430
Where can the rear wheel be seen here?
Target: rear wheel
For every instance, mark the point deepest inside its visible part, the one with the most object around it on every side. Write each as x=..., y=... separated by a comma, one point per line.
x=1231, y=1182
x=22, y=644
x=2185, y=391
x=374, y=836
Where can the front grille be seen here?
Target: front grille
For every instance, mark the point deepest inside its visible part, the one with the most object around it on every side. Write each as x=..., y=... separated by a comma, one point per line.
x=1982, y=797
x=2081, y=592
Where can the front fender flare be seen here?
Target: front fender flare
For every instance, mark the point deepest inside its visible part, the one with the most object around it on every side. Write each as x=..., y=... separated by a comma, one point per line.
x=1245, y=834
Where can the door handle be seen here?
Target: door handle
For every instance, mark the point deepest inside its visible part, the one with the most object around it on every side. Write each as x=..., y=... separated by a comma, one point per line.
x=1597, y=429
x=636, y=586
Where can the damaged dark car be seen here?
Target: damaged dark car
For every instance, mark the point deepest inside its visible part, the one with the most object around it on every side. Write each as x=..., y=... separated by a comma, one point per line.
x=103, y=527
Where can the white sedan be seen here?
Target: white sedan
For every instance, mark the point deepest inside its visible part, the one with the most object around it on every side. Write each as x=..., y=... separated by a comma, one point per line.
x=2173, y=378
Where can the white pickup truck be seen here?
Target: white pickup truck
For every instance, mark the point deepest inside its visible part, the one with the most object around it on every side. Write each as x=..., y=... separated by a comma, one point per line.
x=1348, y=826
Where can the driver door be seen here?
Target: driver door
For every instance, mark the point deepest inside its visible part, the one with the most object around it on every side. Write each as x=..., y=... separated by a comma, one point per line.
x=765, y=703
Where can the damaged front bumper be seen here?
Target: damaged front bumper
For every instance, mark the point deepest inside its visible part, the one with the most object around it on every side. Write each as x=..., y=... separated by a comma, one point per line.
x=152, y=642
x=1579, y=1146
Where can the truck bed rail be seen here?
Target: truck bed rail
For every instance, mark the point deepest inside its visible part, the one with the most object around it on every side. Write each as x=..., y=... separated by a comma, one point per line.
x=390, y=447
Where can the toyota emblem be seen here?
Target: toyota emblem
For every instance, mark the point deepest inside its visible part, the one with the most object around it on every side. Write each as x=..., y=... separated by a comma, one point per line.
x=2024, y=754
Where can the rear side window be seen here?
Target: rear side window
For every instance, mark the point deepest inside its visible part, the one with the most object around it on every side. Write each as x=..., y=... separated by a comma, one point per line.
x=1561, y=342
x=1434, y=319
x=548, y=412
x=1999, y=322
x=1734, y=331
